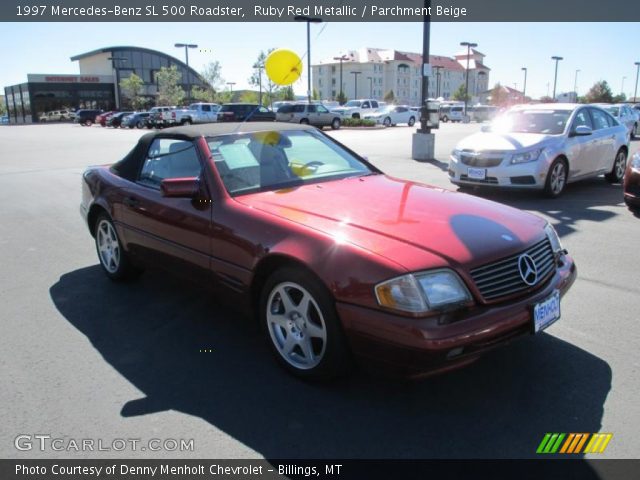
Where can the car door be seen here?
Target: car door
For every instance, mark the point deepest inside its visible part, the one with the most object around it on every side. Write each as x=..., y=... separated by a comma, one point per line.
x=325, y=117
x=582, y=151
x=604, y=131
x=173, y=231
x=365, y=108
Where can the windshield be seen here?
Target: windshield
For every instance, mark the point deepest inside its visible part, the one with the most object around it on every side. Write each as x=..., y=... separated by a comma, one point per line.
x=547, y=122
x=263, y=161
x=353, y=103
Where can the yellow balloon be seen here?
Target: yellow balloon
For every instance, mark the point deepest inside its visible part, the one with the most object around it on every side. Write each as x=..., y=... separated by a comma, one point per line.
x=283, y=66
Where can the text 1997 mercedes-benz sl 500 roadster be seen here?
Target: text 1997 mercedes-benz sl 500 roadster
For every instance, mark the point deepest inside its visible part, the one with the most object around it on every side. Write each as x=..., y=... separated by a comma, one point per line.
x=337, y=259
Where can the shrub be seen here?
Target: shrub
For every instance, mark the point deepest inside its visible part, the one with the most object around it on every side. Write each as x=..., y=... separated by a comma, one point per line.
x=357, y=122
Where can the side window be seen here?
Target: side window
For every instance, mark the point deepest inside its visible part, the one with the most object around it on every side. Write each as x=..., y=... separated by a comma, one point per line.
x=582, y=119
x=263, y=110
x=169, y=158
x=312, y=109
x=298, y=108
x=206, y=108
x=321, y=109
x=365, y=105
x=401, y=109
x=374, y=104
x=599, y=119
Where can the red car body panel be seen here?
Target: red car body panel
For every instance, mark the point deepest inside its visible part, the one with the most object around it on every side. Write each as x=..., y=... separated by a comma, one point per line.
x=631, y=185
x=352, y=234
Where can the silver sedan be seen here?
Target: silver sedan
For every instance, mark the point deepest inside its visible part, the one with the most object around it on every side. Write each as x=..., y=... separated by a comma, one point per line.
x=626, y=115
x=542, y=147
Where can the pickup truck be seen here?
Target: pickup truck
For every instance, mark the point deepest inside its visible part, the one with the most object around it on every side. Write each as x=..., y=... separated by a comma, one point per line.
x=155, y=119
x=357, y=108
x=195, y=113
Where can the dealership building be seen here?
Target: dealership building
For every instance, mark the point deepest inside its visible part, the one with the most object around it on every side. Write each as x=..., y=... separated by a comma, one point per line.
x=96, y=86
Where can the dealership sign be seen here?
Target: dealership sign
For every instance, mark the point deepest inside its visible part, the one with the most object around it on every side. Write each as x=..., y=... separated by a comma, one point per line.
x=37, y=78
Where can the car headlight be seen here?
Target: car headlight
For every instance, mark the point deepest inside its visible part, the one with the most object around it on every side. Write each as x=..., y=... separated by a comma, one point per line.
x=554, y=239
x=422, y=292
x=456, y=154
x=524, y=157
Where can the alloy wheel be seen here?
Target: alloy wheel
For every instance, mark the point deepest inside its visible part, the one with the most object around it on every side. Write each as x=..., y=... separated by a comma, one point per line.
x=108, y=246
x=621, y=164
x=558, y=178
x=296, y=325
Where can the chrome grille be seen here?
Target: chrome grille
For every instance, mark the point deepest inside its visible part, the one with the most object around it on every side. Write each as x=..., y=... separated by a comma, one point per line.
x=502, y=278
x=481, y=159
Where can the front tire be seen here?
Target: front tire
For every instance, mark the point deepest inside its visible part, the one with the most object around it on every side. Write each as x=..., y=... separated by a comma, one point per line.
x=556, y=178
x=412, y=122
x=619, y=165
x=298, y=317
x=387, y=122
x=335, y=124
x=186, y=123
x=88, y=122
x=114, y=260
x=445, y=119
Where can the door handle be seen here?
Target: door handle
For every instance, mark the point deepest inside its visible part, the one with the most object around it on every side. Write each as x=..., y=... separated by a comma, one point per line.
x=131, y=202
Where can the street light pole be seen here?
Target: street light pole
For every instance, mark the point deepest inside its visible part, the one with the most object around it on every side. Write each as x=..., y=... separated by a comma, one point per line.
x=309, y=20
x=231, y=84
x=635, y=93
x=355, y=83
x=341, y=59
x=469, y=46
x=117, y=69
x=370, y=87
x=259, y=66
x=437, y=68
x=186, y=47
x=575, y=85
x=622, y=86
x=524, y=88
x=555, y=79
x=423, y=141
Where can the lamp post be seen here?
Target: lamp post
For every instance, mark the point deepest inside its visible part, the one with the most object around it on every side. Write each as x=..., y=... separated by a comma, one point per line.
x=309, y=20
x=524, y=88
x=622, y=86
x=555, y=78
x=575, y=85
x=231, y=84
x=635, y=92
x=259, y=66
x=341, y=59
x=370, y=87
x=469, y=46
x=437, y=68
x=186, y=47
x=117, y=69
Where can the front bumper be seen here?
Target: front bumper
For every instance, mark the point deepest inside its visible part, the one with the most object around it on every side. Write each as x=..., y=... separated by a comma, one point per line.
x=531, y=175
x=414, y=347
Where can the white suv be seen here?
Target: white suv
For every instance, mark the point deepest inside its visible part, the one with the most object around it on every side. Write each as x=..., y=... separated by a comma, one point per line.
x=357, y=108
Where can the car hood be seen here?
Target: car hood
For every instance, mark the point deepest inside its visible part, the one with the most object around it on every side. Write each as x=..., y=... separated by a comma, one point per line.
x=505, y=141
x=343, y=109
x=414, y=225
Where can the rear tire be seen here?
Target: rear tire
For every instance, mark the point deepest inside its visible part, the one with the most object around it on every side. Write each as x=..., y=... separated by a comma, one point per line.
x=386, y=122
x=301, y=325
x=619, y=165
x=114, y=260
x=356, y=115
x=556, y=178
x=88, y=122
x=304, y=121
x=445, y=119
x=412, y=122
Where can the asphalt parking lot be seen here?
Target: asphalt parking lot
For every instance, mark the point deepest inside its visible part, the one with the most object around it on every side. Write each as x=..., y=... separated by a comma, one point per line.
x=82, y=357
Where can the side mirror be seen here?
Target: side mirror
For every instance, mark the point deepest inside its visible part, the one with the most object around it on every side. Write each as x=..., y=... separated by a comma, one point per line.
x=180, y=187
x=581, y=131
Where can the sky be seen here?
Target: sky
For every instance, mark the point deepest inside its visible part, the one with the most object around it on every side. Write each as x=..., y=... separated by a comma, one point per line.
x=601, y=51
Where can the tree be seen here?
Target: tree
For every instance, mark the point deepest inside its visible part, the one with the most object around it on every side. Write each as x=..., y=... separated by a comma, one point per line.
x=133, y=86
x=499, y=96
x=287, y=93
x=461, y=93
x=169, y=90
x=207, y=95
x=341, y=98
x=249, y=96
x=223, y=96
x=315, y=95
x=599, y=93
x=3, y=107
x=258, y=79
x=389, y=97
x=620, y=98
x=212, y=73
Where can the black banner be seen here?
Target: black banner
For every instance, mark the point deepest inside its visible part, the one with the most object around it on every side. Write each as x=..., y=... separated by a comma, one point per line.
x=329, y=10
x=543, y=469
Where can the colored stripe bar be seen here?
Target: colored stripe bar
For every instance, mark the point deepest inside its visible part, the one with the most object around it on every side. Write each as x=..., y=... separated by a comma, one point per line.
x=550, y=443
x=582, y=442
x=543, y=443
x=555, y=447
x=607, y=439
x=567, y=443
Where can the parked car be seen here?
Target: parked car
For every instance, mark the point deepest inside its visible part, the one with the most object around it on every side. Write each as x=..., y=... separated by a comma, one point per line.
x=135, y=120
x=626, y=115
x=393, y=115
x=483, y=113
x=631, y=185
x=103, y=117
x=310, y=114
x=156, y=119
x=86, y=117
x=542, y=147
x=58, y=116
x=451, y=113
x=245, y=112
x=275, y=106
x=4, y=119
x=196, y=113
x=115, y=120
x=357, y=108
x=288, y=224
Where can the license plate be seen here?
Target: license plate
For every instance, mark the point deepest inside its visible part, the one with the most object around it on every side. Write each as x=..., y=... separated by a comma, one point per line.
x=477, y=173
x=546, y=312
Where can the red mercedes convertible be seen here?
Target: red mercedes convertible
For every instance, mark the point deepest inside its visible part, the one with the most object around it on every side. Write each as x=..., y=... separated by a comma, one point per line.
x=337, y=260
